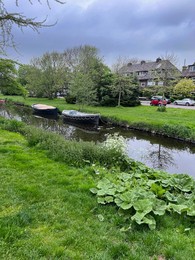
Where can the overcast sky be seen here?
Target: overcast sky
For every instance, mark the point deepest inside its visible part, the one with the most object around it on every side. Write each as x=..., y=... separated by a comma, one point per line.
x=143, y=29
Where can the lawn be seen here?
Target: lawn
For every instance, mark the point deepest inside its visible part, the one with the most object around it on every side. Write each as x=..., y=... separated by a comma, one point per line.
x=48, y=212
x=174, y=122
x=129, y=114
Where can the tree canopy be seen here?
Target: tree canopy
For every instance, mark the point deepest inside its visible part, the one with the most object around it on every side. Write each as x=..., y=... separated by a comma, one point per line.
x=9, y=84
x=184, y=87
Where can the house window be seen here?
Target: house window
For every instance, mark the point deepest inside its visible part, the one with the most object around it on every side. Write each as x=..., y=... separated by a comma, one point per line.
x=142, y=73
x=151, y=83
x=192, y=68
x=160, y=83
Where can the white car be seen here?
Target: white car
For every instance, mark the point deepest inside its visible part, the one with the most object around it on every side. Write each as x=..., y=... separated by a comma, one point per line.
x=185, y=102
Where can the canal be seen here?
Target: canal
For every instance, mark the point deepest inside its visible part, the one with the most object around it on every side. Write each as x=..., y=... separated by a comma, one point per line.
x=157, y=152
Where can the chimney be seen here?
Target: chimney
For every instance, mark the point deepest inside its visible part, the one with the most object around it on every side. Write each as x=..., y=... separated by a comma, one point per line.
x=184, y=68
x=158, y=60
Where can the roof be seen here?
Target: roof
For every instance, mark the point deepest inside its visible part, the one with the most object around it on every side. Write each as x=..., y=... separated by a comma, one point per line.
x=148, y=66
x=186, y=71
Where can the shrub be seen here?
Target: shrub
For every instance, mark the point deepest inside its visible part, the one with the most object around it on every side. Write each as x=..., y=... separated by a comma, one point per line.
x=161, y=109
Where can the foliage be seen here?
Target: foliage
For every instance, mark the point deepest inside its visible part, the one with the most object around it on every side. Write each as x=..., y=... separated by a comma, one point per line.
x=87, y=73
x=148, y=92
x=161, y=108
x=143, y=193
x=40, y=203
x=184, y=87
x=47, y=75
x=82, y=88
x=126, y=89
x=71, y=152
x=9, y=84
x=115, y=143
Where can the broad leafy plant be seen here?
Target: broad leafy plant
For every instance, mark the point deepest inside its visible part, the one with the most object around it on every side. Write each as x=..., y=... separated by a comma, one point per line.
x=143, y=193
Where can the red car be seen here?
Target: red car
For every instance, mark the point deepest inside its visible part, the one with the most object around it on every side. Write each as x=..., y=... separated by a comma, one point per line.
x=158, y=102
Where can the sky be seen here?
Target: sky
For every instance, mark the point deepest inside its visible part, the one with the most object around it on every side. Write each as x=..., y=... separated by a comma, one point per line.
x=141, y=29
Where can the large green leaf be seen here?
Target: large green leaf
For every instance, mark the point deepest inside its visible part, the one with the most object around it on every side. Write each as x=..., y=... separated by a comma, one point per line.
x=150, y=221
x=159, y=207
x=158, y=190
x=191, y=211
x=178, y=208
x=183, y=182
x=170, y=197
x=143, y=205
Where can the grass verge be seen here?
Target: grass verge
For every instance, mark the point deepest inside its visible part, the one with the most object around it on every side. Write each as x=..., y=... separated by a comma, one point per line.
x=48, y=212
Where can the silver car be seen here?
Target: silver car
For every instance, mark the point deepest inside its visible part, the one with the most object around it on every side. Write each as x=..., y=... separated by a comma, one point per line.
x=185, y=102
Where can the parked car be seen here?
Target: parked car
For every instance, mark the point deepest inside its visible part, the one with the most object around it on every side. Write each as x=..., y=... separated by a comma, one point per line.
x=185, y=102
x=158, y=101
x=168, y=100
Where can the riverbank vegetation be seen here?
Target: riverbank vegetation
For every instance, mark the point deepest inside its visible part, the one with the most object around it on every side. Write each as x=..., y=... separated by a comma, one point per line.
x=48, y=210
x=175, y=123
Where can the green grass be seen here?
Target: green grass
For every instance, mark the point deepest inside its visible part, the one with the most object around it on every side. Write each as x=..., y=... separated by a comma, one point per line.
x=48, y=212
x=176, y=123
x=145, y=114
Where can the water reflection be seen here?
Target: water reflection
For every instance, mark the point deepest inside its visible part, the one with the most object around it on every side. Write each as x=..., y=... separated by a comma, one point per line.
x=155, y=151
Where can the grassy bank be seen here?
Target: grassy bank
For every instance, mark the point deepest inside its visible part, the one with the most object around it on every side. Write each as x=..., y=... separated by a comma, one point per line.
x=48, y=212
x=176, y=123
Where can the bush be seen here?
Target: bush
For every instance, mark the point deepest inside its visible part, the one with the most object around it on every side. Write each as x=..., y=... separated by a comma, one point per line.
x=70, y=99
x=161, y=109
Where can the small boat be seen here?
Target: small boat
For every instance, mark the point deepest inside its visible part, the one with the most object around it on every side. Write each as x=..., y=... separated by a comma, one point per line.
x=80, y=117
x=45, y=110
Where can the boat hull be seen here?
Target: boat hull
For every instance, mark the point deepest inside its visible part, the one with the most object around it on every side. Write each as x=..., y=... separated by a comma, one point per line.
x=44, y=110
x=81, y=118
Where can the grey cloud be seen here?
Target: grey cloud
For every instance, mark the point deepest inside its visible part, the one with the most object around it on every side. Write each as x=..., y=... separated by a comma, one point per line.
x=144, y=29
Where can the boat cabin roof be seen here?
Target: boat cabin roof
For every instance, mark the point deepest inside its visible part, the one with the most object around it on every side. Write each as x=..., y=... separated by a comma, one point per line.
x=42, y=106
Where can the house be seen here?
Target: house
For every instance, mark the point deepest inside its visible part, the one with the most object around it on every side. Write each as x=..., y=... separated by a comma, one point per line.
x=189, y=72
x=152, y=73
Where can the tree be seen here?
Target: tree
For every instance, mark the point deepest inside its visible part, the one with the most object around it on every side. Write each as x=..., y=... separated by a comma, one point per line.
x=9, y=20
x=126, y=89
x=46, y=76
x=29, y=77
x=9, y=84
x=184, y=87
x=85, y=64
x=83, y=89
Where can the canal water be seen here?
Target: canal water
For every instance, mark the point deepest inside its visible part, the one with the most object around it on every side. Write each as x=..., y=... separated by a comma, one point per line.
x=157, y=152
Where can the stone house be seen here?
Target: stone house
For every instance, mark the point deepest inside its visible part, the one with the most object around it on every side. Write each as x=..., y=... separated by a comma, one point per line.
x=152, y=73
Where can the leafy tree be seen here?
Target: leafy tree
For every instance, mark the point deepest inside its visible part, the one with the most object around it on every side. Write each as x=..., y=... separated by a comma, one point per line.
x=184, y=87
x=148, y=92
x=29, y=77
x=85, y=64
x=125, y=89
x=9, y=20
x=82, y=87
x=47, y=75
x=104, y=90
x=9, y=84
